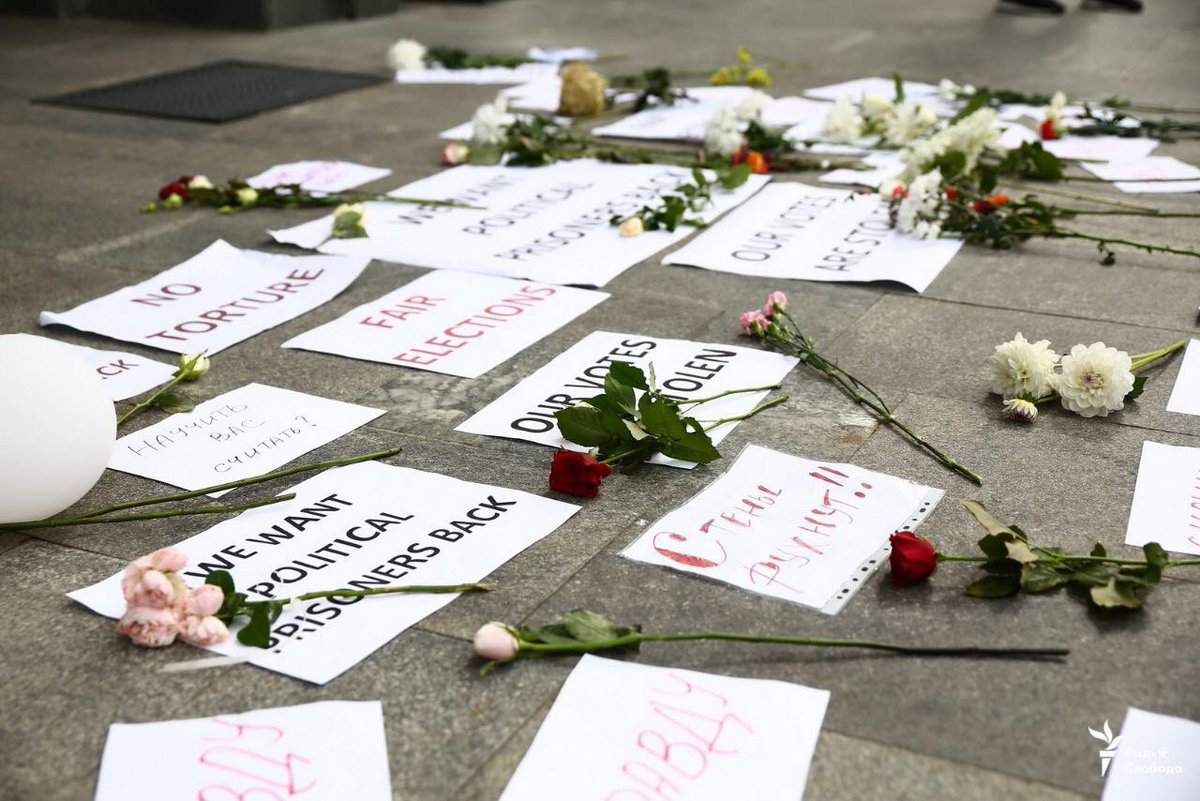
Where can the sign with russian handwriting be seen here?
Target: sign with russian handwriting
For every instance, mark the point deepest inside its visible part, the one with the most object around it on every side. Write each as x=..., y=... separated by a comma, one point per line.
x=215, y=299
x=652, y=733
x=1185, y=397
x=244, y=433
x=779, y=525
x=550, y=224
x=684, y=370
x=796, y=231
x=319, y=176
x=359, y=527
x=1166, y=499
x=451, y=322
x=325, y=751
x=124, y=375
x=1153, y=757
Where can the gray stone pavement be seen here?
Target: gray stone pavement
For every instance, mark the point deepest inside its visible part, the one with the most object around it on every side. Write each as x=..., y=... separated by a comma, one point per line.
x=70, y=183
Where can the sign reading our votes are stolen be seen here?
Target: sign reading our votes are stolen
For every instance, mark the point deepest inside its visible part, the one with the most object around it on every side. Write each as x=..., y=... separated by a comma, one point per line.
x=360, y=527
x=796, y=231
x=450, y=322
x=215, y=299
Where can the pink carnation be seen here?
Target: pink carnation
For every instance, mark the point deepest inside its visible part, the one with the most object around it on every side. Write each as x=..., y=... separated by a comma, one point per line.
x=203, y=630
x=776, y=303
x=754, y=323
x=149, y=627
x=152, y=589
x=204, y=601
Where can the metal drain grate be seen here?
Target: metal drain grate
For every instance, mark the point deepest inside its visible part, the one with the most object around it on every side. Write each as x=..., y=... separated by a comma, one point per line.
x=219, y=92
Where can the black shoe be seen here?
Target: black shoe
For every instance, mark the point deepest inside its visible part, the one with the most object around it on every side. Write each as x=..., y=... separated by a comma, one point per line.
x=1039, y=8
x=1132, y=6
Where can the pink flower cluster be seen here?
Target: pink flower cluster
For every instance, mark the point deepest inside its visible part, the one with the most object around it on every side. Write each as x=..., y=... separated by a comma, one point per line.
x=159, y=607
x=755, y=323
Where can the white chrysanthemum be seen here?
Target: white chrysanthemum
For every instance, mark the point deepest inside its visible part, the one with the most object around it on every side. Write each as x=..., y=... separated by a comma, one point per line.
x=722, y=134
x=843, y=123
x=970, y=136
x=752, y=107
x=909, y=121
x=921, y=203
x=489, y=121
x=406, y=55
x=1095, y=380
x=874, y=108
x=927, y=229
x=948, y=89
x=1023, y=368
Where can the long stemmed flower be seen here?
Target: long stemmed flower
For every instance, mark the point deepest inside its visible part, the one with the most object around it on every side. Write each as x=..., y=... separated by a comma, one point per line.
x=109, y=514
x=1013, y=564
x=773, y=325
x=191, y=368
x=584, y=632
x=238, y=196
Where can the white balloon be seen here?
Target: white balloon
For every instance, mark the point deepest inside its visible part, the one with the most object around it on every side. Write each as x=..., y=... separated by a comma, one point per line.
x=57, y=428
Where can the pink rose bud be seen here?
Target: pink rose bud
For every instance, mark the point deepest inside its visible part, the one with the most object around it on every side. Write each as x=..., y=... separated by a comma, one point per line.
x=205, y=600
x=495, y=642
x=455, y=153
x=203, y=630
x=776, y=304
x=150, y=628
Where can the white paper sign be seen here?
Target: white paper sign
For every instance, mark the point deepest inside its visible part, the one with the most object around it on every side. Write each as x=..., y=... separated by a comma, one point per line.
x=1150, y=174
x=1155, y=758
x=1100, y=148
x=451, y=322
x=684, y=370
x=241, y=434
x=1185, y=397
x=885, y=165
x=550, y=224
x=359, y=527
x=325, y=751
x=792, y=230
x=784, y=526
x=522, y=73
x=860, y=88
x=619, y=729
x=124, y=374
x=1166, y=499
x=319, y=176
x=215, y=299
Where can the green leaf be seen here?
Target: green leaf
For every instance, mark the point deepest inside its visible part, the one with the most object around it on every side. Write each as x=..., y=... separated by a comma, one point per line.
x=734, y=176
x=1040, y=578
x=695, y=446
x=635, y=430
x=1098, y=550
x=628, y=374
x=619, y=394
x=1114, y=595
x=898, y=83
x=555, y=634
x=583, y=425
x=660, y=416
x=1139, y=386
x=1018, y=551
x=1002, y=566
x=257, y=632
x=222, y=579
x=987, y=520
x=174, y=402
x=994, y=546
x=587, y=626
x=995, y=587
x=1155, y=555
x=1090, y=574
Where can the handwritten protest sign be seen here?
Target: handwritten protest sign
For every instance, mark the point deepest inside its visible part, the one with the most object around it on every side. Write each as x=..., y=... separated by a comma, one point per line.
x=243, y=433
x=659, y=732
x=319, y=176
x=684, y=370
x=450, y=322
x=787, y=527
x=215, y=299
x=796, y=231
x=1166, y=499
x=1185, y=396
x=124, y=374
x=550, y=224
x=1101, y=148
x=326, y=751
x=358, y=527
x=1160, y=174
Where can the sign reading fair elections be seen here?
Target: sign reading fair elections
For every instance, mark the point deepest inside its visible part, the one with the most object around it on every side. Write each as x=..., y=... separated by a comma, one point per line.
x=684, y=370
x=358, y=527
x=215, y=299
x=551, y=224
x=450, y=322
x=796, y=231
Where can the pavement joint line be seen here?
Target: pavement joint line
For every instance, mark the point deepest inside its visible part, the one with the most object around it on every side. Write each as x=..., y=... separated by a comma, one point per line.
x=69, y=546
x=76, y=255
x=540, y=710
x=852, y=40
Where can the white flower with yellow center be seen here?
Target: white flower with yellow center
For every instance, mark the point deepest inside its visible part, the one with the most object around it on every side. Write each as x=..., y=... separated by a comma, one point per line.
x=1095, y=380
x=1023, y=369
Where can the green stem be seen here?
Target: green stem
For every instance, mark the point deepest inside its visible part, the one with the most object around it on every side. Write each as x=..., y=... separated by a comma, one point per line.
x=1067, y=233
x=90, y=521
x=1120, y=213
x=432, y=589
x=727, y=392
x=1146, y=359
x=1045, y=190
x=760, y=408
x=1058, y=557
x=638, y=638
x=146, y=404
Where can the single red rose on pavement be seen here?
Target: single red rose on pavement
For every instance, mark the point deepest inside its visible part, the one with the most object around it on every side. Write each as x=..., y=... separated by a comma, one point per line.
x=577, y=474
x=179, y=187
x=913, y=559
x=1048, y=131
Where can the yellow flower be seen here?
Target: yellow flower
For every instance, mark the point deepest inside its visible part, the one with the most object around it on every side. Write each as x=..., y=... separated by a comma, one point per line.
x=744, y=55
x=726, y=76
x=758, y=77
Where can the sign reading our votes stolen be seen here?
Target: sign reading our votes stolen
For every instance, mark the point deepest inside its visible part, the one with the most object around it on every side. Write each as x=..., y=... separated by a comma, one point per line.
x=215, y=299
x=796, y=231
x=361, y=527
x=450, y=322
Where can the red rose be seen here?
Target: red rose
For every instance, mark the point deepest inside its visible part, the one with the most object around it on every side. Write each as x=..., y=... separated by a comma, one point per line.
x=1048, y=131
x=913, y=559
x=175, y=188
x=984, y=207
x=577, y=474
x=758, y=163
x=951, y=193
